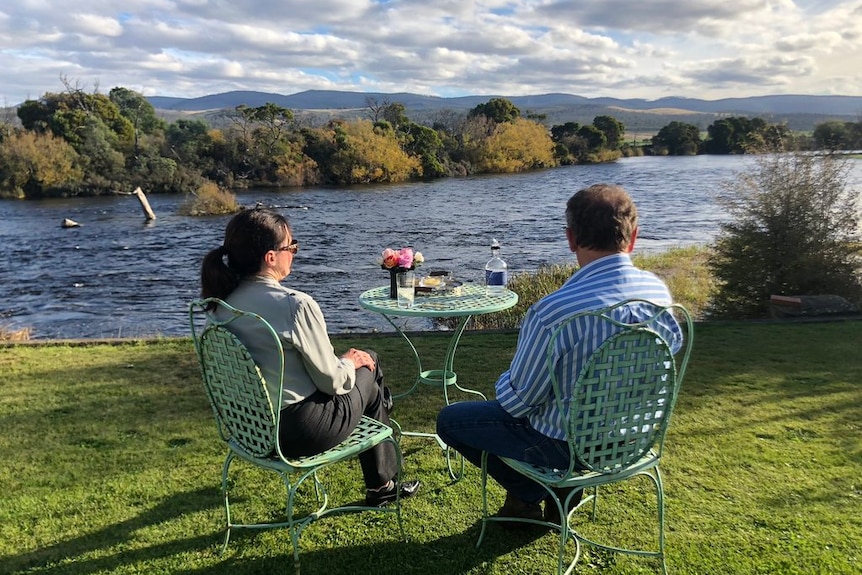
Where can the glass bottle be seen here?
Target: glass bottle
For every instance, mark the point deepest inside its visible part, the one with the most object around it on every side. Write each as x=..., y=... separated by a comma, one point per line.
x=496, y=271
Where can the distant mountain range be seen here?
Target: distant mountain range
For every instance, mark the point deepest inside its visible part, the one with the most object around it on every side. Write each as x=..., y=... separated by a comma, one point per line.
x=798, y=111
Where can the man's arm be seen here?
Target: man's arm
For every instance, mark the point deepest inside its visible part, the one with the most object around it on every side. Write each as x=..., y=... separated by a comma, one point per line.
x=527, y=384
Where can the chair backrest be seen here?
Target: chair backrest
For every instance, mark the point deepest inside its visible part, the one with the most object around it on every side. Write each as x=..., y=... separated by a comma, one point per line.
x=621, y=399
x=234, y=384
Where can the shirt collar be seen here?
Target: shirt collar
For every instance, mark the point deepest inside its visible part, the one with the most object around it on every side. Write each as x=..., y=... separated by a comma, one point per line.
x=600, y=265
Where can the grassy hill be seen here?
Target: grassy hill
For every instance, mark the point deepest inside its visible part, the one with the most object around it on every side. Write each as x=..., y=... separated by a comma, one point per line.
x=800, y=112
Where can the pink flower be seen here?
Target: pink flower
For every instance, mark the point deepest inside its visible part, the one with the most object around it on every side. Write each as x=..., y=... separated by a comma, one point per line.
x=405, y=258
x=390, y=258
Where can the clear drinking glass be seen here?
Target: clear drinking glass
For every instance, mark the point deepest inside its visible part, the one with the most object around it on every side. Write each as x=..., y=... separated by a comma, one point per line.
x=406, y=288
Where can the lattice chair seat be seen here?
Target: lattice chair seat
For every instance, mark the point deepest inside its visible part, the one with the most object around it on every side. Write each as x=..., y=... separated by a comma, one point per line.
x=248, y=422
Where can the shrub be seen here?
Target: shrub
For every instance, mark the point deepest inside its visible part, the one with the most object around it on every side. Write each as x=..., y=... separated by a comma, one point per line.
x=209, y=200
x=11, y=334
x=793, y=224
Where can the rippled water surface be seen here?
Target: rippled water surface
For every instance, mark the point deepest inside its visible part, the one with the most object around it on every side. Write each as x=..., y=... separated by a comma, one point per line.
x=117, y=275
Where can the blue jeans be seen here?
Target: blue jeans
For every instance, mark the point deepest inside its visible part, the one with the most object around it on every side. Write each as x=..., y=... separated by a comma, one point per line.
x=471, y=427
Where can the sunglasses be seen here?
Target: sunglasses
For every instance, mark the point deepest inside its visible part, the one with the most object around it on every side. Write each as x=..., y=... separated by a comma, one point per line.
x=292, y=247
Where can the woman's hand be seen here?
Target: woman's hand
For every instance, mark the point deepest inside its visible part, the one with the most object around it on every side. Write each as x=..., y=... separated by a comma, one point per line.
x=359, y=358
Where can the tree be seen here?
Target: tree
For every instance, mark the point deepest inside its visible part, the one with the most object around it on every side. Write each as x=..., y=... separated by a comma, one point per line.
x=424, y=143
x=563, y=131
x=266, y=126
x=569, y=146
x=356, y=153
x=832, y=135
x=263, y=146
x=721, y=137
x=741, y=135
x=613, y=129
x=70, y=115
x=395, y=114
x=498, y=110
x=677, y=139
x=135, y=108
x=188, y=141
x=517, y=146
x=34, y=165
x=793, y=226
x=104, y=164
x=594, y=138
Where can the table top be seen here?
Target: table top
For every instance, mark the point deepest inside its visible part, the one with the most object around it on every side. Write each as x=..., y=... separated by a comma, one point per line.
x=472, y=300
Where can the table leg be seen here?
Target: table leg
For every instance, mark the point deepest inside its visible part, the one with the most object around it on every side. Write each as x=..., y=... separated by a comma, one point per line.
x=444, y=378
x=449, y=365
x=415, y=357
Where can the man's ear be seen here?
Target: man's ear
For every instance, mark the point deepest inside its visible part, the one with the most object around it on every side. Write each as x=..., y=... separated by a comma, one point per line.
x=573, y=243
x=632, y=242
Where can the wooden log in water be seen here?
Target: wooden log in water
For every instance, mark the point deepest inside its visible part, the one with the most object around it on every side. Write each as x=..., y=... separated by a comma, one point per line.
x=145, y=204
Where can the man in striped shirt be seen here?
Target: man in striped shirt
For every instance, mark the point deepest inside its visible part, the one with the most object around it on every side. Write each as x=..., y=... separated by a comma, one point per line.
x=523, y=422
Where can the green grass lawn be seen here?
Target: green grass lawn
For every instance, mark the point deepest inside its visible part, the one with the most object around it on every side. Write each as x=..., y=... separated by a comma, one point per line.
x=111, y=464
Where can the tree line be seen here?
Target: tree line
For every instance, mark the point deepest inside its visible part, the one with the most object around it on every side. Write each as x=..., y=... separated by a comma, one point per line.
x=87, y=143
x=741, y=135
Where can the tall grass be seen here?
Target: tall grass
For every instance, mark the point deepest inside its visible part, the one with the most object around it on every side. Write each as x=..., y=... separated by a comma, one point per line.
x=9, y=334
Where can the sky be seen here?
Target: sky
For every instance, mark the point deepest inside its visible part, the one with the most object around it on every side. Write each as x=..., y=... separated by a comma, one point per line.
x=649, y=49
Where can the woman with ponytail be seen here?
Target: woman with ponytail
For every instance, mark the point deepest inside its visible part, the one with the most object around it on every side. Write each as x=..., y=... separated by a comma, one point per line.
x=323, y=395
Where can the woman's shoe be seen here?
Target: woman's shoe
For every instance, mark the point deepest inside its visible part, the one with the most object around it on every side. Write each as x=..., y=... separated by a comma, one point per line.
x=384, y=496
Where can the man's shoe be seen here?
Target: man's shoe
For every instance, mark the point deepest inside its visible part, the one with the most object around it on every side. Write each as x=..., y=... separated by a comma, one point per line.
x=518, y=509
x=552, y=514
x=384, y=496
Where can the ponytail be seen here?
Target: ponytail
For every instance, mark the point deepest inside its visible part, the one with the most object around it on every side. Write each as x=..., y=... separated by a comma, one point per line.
x=217, y=280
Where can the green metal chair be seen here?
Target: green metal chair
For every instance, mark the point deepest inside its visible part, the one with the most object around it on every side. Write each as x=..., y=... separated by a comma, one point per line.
x=616, y=418
x=248, y=423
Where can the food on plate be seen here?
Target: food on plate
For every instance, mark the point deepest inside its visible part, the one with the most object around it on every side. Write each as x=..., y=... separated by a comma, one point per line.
x=431, y=281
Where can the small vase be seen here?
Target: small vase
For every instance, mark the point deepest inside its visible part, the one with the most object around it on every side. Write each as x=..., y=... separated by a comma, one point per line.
x=393, y=283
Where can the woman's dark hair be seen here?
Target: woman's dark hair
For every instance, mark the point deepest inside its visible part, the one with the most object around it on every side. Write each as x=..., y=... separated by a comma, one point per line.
x=602, y=217
x=247, y=238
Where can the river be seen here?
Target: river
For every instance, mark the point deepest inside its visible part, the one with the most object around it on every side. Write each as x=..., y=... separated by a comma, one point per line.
x=118, y=275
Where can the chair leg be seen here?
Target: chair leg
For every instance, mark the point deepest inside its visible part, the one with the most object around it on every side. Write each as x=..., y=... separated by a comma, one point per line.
x=660, y=496
x=455, y=476
x=292, y=527
x=484, y=498
x=225, y=497
x=565, y=532
x=399, y=457
x=653, y=475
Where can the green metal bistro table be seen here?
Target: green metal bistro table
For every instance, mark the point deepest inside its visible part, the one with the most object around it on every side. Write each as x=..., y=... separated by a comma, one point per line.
x=469, y=301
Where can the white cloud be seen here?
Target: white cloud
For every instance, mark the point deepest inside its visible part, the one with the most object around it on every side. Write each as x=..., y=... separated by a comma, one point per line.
x=695, y=48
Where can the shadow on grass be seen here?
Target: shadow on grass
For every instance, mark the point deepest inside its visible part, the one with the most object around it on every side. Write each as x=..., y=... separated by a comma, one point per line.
x=451, y=555
x=56, y=558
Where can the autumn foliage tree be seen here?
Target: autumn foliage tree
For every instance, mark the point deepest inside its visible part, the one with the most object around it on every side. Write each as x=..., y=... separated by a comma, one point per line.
x=359, y=153
x=34, y=165
x=517, y=146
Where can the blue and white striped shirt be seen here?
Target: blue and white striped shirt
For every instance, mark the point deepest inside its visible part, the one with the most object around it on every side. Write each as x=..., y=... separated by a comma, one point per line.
x=525, y=390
